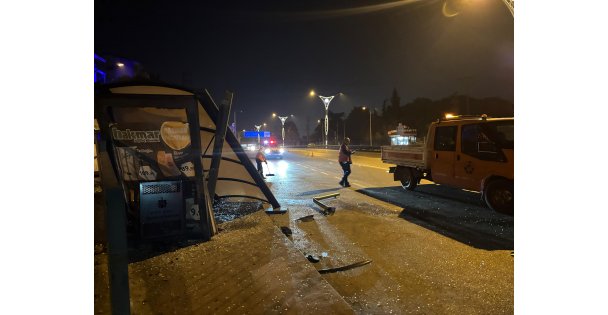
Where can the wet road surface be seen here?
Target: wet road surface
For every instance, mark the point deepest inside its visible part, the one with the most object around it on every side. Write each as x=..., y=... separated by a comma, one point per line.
x=433, y=250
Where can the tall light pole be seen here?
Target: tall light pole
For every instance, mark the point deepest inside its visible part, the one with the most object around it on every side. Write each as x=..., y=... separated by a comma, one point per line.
x=326, y=100
x=283, y=119
x=370, y=125
x=258, y=129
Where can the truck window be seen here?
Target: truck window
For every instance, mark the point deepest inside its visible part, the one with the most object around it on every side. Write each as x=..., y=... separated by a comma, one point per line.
x=485, y=141
x=445, y=138
x=499, y=132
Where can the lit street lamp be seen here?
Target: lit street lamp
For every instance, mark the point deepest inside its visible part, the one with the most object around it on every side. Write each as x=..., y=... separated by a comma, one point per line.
x=257, y=127
x=283, y=119
x=326, y=100
x=370, y=124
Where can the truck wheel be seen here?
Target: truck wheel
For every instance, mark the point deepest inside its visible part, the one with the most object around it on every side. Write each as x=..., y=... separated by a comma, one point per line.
x=408, y=181
x=498, y=195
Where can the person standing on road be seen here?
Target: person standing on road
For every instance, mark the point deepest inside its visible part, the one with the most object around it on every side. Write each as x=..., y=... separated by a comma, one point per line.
x=259, y=158
x=345, y=161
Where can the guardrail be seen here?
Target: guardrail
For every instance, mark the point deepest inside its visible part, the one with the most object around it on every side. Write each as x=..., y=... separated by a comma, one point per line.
x=364, y=148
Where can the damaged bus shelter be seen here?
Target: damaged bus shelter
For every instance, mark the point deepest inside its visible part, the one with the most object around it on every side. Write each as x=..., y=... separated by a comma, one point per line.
x=165, y=155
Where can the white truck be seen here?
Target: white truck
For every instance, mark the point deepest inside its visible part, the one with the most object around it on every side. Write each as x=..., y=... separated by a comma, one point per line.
x=473, y=153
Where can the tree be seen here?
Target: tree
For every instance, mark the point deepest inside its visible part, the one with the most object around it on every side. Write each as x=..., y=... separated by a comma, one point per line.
x=292, y=136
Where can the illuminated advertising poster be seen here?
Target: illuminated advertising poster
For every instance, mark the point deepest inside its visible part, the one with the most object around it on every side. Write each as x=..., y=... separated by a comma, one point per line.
x=153, y=151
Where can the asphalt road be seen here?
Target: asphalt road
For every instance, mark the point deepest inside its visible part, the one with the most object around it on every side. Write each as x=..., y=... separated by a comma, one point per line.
x=435, y=250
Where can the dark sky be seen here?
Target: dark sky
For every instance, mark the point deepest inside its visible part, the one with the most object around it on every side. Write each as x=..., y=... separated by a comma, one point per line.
x=272, y=53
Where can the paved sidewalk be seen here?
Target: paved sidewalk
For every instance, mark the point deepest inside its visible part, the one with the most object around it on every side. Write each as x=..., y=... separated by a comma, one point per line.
x=248, y=268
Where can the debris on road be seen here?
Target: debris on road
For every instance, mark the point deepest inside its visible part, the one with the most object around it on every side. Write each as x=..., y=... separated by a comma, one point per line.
x=307, y=218
x=343, y=268
x=287, y=231
x=326, y=209
x=313, y=259
x=335, y=195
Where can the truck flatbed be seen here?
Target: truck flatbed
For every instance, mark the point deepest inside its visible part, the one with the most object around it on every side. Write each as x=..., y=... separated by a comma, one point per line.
x=406, y=155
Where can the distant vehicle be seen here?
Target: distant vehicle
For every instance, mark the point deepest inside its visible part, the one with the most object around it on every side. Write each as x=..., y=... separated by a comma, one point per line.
x=273, y=150
x=249, y=145
x=474, y=153
x=250, y=141
x=311, y=145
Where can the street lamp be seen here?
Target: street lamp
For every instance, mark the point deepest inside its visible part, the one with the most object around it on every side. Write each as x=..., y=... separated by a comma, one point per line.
x=257, y=127
x=283, y=119
x=370, y=124
x=326, y=100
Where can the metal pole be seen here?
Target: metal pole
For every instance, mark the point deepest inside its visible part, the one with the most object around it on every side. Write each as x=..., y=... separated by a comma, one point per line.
x=116, y=222
x=326, y=125
x=220, y=133
x=370, y=127
x=283, y=119
x=258, y=129
x=326, y=100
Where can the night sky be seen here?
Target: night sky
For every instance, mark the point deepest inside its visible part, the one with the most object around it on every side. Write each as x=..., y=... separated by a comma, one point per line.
x=272, y=53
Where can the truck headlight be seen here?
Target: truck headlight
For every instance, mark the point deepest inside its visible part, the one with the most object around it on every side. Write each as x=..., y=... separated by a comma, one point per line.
x=281, y=150
x=267, y=151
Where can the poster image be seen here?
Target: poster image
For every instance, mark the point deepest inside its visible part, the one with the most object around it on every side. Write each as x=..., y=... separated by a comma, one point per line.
x=153, y=151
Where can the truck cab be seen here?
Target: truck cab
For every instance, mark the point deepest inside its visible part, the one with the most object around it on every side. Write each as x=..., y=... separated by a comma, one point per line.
x=467, y=153
x=473, y=153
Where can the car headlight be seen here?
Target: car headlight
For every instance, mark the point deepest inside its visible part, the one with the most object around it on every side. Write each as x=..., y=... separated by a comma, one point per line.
x=267, y=151
x=281, y=150
x=252, y=148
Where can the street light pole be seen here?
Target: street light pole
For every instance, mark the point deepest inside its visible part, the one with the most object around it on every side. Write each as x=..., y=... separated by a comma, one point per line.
x=283, y=119
x=370, y=128
x=258, y=129
x=326, y=100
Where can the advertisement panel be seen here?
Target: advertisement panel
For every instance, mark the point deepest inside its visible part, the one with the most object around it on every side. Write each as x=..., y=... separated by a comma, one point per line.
x=155, y=150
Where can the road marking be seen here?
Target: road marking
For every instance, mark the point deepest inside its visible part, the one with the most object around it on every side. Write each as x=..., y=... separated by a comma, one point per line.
x=355, y=183
x=377, y=167
x=358, y=164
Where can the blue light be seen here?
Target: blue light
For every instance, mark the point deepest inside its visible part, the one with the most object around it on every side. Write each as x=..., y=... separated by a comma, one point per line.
x=100, y=76
x=254, y=134
x=99, y=58
x=250, y=134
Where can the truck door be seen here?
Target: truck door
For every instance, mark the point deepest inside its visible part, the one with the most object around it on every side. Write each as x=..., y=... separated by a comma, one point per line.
x=443, y=154
x=480, y=154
